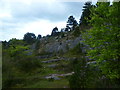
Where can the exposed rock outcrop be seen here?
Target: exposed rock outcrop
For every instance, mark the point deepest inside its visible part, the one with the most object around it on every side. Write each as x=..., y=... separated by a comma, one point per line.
x=57, y=45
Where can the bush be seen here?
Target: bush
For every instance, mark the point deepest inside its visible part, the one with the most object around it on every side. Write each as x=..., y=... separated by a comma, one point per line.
x=10, y=75
x=15, y=67
x=76, y=32
x=76, y=50
x=78, y=79
x=29, y=38
x=28, y=63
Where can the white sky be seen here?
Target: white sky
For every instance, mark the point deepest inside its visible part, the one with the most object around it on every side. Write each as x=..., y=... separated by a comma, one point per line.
x=18, y=17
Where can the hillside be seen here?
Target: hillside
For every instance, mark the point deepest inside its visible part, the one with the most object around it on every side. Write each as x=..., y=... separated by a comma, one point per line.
x=81, y=55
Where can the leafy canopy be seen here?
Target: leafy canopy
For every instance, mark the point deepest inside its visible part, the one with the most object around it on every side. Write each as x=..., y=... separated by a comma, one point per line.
x=103, y=38
x=29, y=38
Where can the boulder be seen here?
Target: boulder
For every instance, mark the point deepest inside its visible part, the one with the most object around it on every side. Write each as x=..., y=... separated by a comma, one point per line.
x=52, y=77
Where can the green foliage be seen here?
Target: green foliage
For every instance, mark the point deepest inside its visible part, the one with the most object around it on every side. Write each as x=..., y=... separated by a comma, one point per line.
x=28, y=63
x=55, y=32
x=87, y=76
x=16, y=63
x=10, y=74
x=71, y=23
x=103, y=38
x=29, y=38
x=67, y=47
x=15, y=68
x=16, y=51
x=15, y=42
x=103, y=42
x=76, y=50
x=47, y=84
x=62, y=34
x=43, y=52
x=78, y=79
x=85, y=17
x=5, y=44
x=37, y=46
x=23, y=61
x=39, y=37
x=76, y=32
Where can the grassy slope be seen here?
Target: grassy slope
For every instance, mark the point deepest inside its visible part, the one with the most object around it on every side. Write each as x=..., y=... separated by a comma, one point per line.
x=35, y=79
x=49, y=84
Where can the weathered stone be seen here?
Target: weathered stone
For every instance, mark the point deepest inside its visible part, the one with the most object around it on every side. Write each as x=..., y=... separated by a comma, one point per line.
x=58, y=47
x=92, y=62
x=52, y=66
x=52, y=77
x=55, y=76
x=50, y=61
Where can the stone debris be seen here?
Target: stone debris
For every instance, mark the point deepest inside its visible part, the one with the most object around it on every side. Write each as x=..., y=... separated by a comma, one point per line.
x=53, y=77
x=56, y=76
x=50, y=61
x=92, y=62
x=59, y=59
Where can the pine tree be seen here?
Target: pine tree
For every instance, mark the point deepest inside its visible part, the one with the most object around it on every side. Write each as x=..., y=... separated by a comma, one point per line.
x=86, y=13
x=71, y=23
x=54, y=31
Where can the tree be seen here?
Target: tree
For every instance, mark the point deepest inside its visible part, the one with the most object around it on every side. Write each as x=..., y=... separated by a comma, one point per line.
x=29, y=38
x=79, y=78
x=71, y=23
x=54, y=32
x=5, y=44
x=103, y=38
x=76, y=32
x=86, y=13
x=15, y=42
x=39, y=37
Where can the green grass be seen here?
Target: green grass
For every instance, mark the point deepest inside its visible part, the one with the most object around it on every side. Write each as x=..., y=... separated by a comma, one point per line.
x=48, y=71
x=58, y=62
x=49, y=84
x=62, y=66
x=35, y=79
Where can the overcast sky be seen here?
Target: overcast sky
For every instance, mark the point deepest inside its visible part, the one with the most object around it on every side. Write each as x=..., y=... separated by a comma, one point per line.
x=18, y=17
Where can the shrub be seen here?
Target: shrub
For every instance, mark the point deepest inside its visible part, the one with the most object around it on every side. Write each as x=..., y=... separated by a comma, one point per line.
x=28, y=63
x=76, y=50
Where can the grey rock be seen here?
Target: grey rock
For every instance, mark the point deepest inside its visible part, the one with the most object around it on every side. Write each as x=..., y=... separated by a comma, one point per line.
x=50, y=61
x=93, y=62
x=56, y=46
x=52, y=66
x=52, y=77
x=56, y=78
x=88, y=58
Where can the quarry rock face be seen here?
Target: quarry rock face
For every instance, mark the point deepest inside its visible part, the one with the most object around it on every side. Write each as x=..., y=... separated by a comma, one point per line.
x=59, y=46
